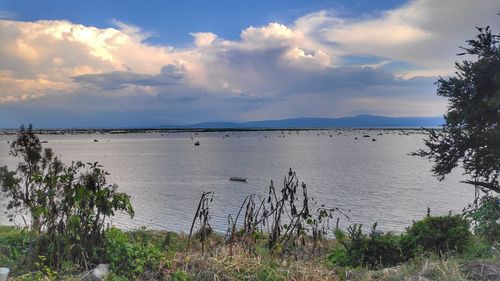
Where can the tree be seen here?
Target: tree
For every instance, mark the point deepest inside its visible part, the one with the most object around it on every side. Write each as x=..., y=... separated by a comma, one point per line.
x=25, y=186
x=68, y=204
x=470, y=136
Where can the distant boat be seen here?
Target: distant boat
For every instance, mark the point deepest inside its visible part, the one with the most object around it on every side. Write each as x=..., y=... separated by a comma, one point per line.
x=96, y=141
x=237, y=179
x=42, y=141
x=197, y=143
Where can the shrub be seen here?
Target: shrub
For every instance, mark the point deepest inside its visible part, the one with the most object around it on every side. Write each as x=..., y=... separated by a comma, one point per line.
x=383, y=249
x=434, y=234
x=477, y=248
x=127, y=257
x=438, y=234
x=339, y=256
x=68, y=205
x=373, y=250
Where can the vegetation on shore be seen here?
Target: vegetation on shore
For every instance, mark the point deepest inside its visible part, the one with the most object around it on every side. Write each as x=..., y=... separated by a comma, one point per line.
x=283, y=236
x=156, y=255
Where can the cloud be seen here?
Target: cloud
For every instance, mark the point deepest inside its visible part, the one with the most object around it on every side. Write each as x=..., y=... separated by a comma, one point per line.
x=319, y=65
x=425, y=33
x=274, y=34
x=169, y=75
x=203, y=38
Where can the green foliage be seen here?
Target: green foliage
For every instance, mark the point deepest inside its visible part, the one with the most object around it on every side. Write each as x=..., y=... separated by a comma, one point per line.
x=437, y=234
x=68, y=205
x=471, y=135
x=476, y=248
x=340, y=257
x=383, y=249
x=180, y=275
x=373, y=250
x=486, y=218
x=114, y=277
x=433, y=234
x=127, y=257
x=41, y=267
x=14, y=245
x=339, y=234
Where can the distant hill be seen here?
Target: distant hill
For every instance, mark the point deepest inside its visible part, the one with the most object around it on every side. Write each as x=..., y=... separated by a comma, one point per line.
x=359, y=121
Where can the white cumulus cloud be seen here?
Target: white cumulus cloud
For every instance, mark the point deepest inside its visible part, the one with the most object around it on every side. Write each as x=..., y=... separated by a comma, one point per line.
x=321, y=64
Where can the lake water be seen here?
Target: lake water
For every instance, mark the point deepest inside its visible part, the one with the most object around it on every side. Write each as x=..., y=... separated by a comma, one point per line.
x=165, y=173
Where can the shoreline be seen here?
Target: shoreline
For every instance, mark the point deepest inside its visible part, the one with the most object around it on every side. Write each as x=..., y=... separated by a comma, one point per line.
x=89, y=131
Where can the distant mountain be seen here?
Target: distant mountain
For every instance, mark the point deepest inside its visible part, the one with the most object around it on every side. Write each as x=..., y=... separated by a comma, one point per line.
x=359, y=121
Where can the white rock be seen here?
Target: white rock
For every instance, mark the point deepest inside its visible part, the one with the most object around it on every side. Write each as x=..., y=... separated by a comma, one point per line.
x=4, y=273
x=493, y=250
x=99, y=273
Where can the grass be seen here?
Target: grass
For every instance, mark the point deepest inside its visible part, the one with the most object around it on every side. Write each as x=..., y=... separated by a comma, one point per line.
x=14, y=244
x=223, y=262
x=220, y=262
x=417, y=269
x=221, y=265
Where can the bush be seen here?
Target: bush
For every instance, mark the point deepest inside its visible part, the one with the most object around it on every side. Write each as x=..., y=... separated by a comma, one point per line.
x=68, y=205
x=433, y=234
x=383, y=249
x=373, y=250
x=437, y=234
x=486, y=218
x=129, y=258
x=477, y=248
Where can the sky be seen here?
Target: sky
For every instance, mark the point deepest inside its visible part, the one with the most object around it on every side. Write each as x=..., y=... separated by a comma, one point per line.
x=152, y=63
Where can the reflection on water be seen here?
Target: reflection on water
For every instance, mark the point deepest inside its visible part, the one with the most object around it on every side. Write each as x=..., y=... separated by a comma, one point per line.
x=166, y=173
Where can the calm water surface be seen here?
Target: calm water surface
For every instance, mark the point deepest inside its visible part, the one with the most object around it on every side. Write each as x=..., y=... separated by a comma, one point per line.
x=165, y=173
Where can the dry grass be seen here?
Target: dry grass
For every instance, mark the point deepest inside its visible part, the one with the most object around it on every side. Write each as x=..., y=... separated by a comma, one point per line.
x=417, y=270
x=484, y=270
x=221, y=265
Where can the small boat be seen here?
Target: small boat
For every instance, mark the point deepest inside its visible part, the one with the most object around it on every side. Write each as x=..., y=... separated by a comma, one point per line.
x=44, y=141
x=197, y=143
x=237, y=179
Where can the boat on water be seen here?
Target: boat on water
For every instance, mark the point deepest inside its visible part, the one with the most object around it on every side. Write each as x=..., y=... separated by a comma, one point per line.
x=197, y=143
x=237, y=179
